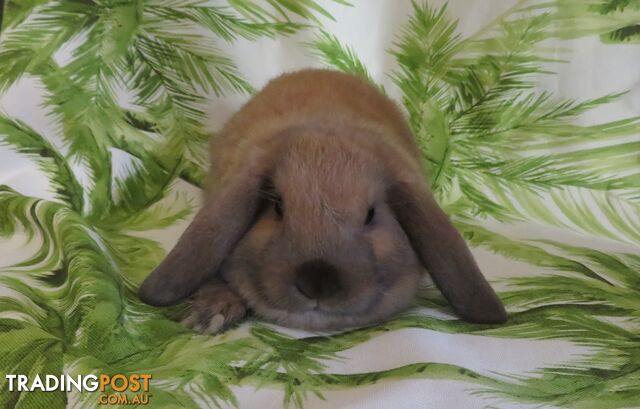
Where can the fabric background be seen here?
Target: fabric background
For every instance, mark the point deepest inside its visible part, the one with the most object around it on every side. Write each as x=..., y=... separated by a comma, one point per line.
x=90, y=186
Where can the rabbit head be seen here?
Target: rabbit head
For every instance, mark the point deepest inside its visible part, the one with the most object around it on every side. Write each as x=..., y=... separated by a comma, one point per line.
x=323, y=224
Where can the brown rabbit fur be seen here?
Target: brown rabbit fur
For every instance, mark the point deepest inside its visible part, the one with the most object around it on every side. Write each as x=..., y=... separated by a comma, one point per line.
x=317, y=215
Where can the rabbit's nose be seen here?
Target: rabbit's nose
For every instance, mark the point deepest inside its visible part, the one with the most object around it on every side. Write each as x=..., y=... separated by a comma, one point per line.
x=317, y=279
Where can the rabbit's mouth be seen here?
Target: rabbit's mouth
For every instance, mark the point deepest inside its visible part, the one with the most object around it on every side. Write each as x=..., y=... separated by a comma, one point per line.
x=320, y=315
x=271, y=291
x=314, y=319
x=301, y=308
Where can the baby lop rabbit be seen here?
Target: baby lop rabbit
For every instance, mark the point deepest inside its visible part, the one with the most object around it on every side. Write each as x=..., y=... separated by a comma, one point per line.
x=317, y=216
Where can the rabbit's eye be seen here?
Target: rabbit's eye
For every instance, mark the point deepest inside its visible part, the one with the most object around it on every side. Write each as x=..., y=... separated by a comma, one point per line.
x=278, y=208
x=370, y=215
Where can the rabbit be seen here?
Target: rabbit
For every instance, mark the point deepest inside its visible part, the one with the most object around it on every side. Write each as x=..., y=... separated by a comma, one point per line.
x=317, y=216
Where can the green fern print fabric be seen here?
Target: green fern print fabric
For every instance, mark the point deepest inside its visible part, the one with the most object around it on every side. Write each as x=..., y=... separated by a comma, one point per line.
x=528, y=117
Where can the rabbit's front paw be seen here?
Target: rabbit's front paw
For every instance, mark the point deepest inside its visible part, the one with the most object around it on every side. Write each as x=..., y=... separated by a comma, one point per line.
x=213, y=308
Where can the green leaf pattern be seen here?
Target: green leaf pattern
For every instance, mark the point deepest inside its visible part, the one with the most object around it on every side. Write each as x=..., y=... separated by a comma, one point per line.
x=545, y=188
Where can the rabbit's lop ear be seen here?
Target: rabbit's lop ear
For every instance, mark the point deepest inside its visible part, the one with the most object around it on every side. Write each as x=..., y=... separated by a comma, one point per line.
x=443, y=252
x=225, y=217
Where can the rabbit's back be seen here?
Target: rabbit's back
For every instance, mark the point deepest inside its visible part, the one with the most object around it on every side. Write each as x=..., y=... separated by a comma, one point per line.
x=312, y=96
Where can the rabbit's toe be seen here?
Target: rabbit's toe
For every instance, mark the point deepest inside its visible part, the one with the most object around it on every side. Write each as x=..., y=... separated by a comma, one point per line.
x=213, y=309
